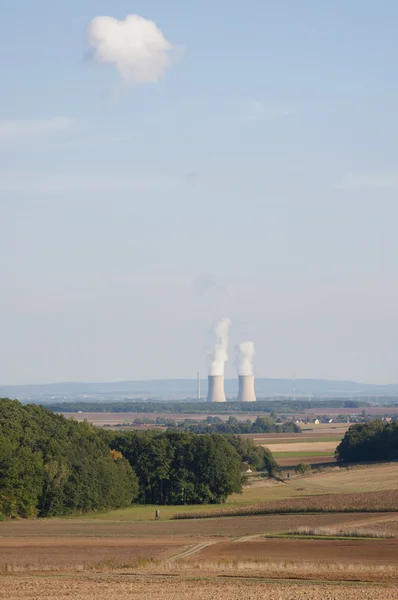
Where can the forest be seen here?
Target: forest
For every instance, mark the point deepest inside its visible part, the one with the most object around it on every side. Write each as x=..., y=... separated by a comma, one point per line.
x=187, y=468
x=366, y=442
x=50, y=465
x=54, y=466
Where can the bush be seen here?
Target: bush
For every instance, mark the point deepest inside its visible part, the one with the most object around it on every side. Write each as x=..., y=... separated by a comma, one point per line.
x=303, y=468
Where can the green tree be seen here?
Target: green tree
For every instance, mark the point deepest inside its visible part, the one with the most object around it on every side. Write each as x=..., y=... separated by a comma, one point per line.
x=303, y=468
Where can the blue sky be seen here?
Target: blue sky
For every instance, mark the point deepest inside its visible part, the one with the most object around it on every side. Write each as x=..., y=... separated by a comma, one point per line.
x=256, y=178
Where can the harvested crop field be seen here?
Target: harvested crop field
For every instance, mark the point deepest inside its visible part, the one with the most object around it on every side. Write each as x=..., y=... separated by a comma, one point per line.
x=69, y=553
x=313, y=446
x=123, y=587
x=367, y=502
x=346, y=551
x=366, y=477
x=303, y=447
x=225, y=558
x=192, y=531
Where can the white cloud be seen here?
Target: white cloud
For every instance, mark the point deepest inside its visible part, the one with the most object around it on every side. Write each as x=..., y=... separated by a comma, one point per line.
x=261, y=111
x=135, y=46
x=371, y=181
x=11, y=131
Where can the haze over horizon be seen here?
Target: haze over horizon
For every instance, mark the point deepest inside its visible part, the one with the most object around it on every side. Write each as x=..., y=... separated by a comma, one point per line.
x=245, y=167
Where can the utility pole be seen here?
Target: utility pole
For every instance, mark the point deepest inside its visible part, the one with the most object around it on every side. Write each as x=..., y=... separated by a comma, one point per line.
x=198, y=386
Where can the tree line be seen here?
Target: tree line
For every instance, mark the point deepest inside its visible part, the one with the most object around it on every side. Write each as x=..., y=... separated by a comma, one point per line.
x=233, y=425
x=189, y=407
x=366, y=442
x=53, y=466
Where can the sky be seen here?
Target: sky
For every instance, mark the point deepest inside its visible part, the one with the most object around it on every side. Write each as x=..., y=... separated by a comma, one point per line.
x=176, y=163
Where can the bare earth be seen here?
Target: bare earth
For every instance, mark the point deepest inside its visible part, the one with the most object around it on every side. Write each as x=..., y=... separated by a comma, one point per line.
x=347, y=551
x=229, y=558
x=85, y=552
x=225, y=559
x=116, y=587
x=225, y=527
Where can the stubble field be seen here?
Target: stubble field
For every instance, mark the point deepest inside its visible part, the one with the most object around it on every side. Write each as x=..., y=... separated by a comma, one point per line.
x=223, y=558
x=316, y=444
x=116, y=587
x=127, y=554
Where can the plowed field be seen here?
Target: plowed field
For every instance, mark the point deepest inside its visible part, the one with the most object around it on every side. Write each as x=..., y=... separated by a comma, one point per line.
x=354, y=552
x=134, y=588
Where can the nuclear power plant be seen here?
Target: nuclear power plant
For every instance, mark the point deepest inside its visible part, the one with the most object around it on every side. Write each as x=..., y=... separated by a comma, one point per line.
x=246, y=391
x=244, y=366
x=216, y=391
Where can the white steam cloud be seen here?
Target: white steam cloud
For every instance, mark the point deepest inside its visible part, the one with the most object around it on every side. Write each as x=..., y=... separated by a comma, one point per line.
x=245, y=353
x=219, y=354
x=136, y=46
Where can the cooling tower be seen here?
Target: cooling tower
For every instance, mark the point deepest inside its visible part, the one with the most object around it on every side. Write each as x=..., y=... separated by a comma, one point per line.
x=246, y=389
x=216, y=389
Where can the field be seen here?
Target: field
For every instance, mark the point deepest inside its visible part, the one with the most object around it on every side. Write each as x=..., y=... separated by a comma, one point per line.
x=315, y=445
x=126, y=587
x=370, y=410
x=251, y=547
x=228, y=558
x=128, y=554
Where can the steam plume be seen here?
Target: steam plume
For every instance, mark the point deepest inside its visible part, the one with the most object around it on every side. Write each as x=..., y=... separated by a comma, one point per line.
x=245, y=353
x=219, y=354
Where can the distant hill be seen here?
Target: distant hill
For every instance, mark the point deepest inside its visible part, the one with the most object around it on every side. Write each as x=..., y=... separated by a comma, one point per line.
x=179, y=389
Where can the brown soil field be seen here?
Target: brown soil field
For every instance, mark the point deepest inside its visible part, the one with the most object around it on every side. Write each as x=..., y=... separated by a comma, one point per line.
x=35, y=553
x=359, y=551
x=382, y=523
x=225, y=527
x=125, y=587
x=76, y=559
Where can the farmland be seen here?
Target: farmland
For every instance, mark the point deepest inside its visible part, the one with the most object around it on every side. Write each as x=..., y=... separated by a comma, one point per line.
x=116, y=587
x=315, y=445
x=223, y=558
x=249, y=548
